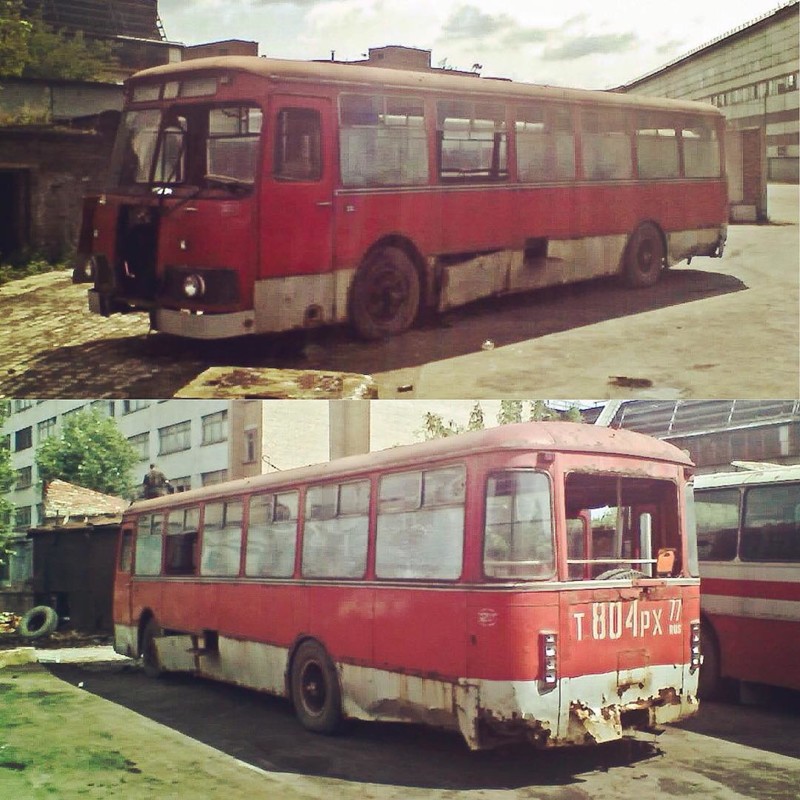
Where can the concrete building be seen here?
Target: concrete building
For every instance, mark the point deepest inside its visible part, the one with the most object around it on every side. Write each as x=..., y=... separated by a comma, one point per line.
x=751, y=74
x=188, y=439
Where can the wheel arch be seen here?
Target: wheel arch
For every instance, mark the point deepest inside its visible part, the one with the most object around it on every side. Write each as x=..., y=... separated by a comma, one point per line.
x=405, y=243
x=298, y=642
x=647, y=222
x=145, y=617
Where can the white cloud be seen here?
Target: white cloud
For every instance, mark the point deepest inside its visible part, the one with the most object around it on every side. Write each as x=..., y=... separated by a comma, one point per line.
x=581, y=43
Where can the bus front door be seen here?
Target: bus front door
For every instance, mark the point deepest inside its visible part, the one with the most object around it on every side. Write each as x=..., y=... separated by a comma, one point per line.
x=297, y=202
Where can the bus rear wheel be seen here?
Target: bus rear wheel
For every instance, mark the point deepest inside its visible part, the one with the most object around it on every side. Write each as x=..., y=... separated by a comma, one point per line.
x=151, y=665
x=315, y=689
x=385, y=294
x=644, y=256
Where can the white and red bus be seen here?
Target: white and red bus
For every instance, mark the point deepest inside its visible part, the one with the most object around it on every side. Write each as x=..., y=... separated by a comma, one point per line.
x=534, y=582
x=748, y=529
x=252, y=195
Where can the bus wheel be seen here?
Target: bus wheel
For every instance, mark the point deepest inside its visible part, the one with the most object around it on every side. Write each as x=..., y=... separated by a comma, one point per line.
x=644, y=256
x=315, y=689
x=385, y=294
x=150, y=663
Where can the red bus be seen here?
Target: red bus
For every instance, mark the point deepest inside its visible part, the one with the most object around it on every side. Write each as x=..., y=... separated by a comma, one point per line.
x=748, y=528
x=531, y=582
x=251, y=195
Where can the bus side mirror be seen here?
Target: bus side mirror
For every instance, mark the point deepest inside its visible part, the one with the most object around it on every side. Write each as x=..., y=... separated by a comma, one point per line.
x=665, y=562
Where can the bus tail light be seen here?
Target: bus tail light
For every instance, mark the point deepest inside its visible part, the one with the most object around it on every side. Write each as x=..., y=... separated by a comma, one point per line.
x=548, y=651
x=695, y=654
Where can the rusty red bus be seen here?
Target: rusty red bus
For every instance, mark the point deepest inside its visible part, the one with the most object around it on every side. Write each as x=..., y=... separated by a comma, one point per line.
x=252, y=195
x=531, y=582
x=748, y=528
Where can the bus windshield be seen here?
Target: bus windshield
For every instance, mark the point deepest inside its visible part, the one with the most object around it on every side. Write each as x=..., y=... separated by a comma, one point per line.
x=199, y=146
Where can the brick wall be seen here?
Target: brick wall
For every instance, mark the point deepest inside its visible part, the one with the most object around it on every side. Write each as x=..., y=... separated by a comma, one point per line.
x=59, y=168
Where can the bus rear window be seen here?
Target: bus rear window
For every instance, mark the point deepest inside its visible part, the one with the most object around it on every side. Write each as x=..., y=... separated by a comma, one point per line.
x=626, y=522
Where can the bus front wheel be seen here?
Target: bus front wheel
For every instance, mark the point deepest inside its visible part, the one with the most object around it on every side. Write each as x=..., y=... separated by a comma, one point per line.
x=315, y=689
x=385, y=294
x=644, y=256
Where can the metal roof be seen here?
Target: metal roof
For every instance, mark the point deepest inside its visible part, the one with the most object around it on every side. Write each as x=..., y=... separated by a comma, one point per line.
x=532, y=436
x=368, y=77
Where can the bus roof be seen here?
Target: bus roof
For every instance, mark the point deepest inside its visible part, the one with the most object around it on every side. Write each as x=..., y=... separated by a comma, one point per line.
x=536, y=436
x=767, y=474
x=353, y=76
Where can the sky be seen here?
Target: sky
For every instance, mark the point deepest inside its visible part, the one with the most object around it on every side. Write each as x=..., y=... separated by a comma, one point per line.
x=593, y=44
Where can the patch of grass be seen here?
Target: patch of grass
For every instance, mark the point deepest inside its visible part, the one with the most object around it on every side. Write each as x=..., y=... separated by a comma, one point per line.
x=26, y=263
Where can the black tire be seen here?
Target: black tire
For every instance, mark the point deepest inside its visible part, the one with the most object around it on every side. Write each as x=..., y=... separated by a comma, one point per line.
x=39, y=621
x=315, y=688
x=385, y=295
x=709, y=679
x=644, y=256
x=151, y=666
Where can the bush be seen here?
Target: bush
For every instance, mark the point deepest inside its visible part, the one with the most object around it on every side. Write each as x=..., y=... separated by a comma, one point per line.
x=25, y=263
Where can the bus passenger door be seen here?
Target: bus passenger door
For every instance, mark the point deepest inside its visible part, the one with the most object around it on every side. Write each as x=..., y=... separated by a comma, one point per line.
x=122, y=610
x=297, y=202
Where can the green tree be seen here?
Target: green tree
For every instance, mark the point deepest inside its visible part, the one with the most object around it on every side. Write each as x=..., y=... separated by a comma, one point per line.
x=56, y=54
x=510, y=412
x=33, y=49
x=14, y=36
x=434, y=427
x=90, y=452
x=476, y=422
x=7, y=479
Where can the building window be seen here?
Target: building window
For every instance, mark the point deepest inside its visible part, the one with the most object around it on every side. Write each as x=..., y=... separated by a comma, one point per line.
x=250, y=445
x=46, y=429
x=22, y=517
x=129, y=406
x=23, y=439
x=217, y=476
x=21, y=405
x=24, y=478
x=175, y=438
x=105, y=407
x=215, y=427
x=182, y=484
x=141, y=444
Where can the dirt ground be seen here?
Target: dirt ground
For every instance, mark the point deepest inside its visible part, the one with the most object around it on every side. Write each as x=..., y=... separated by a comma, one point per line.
x=93, y=730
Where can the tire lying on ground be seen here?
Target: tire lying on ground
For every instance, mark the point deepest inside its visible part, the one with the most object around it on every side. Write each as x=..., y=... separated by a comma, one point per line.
x=39, y=621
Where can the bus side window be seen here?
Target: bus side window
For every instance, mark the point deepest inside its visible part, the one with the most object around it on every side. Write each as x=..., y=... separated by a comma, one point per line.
x=149, y=538
x=180, y=557
x=421, y=524
x=126, y=552
x=272, y=535
x=335, y=530
x=298, y=145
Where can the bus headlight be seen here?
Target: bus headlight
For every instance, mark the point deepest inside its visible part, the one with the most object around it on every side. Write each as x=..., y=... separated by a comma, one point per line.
x=548, y=659
x=695, y=652
x=194, y=286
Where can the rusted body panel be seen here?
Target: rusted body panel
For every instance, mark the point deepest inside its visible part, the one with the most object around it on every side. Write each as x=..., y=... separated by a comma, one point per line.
x=472, y=653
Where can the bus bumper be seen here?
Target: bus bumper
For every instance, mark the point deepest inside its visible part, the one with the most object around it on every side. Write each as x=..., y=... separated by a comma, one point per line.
x=203, y=326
